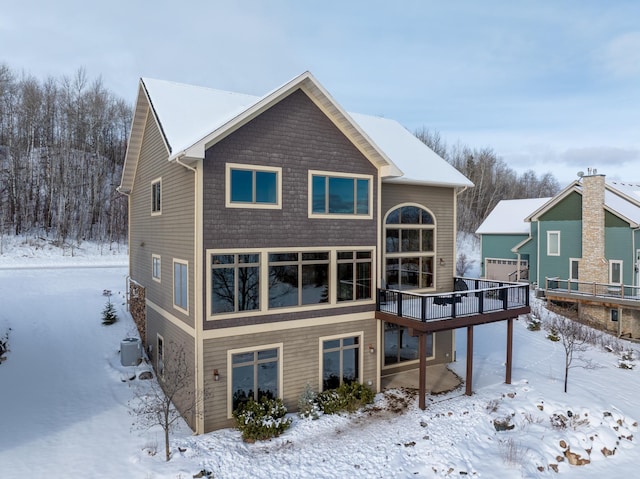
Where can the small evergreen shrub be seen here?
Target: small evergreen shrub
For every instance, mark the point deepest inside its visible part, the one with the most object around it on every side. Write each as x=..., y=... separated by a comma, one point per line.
x=347, y=397
x=534, y=323
x=260, y=420
x=553, y=335
x=307, y=405
x=109, y=315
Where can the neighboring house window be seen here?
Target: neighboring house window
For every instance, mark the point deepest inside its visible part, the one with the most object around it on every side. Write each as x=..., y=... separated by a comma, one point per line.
x=254, y=375
x=156, y=267
x=253, y=187
x=615, y=271
x=156, y=199
x=340, y=195
x=181, y=284
x=409, y=248
x=297, y=279
x=354, y=275
x=235, y=282
x=401, y=346
x=573, y=265
x=553, y=243
x=160, y=356
x=614, y=313
x=340, y=361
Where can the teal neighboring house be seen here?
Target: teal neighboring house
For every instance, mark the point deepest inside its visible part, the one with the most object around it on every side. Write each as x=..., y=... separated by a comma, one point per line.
x=508, y=254
x=582, y=249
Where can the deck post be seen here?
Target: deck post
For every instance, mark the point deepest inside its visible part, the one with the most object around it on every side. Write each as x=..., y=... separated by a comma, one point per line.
x=509, y=350
x=422, y=383
x=469, y=380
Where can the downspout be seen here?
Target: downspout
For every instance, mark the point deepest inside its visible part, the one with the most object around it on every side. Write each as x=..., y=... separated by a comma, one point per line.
x=199, y=383
x=128, y=278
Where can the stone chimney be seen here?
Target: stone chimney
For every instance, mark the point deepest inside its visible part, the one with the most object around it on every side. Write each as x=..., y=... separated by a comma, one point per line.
x=593, y=266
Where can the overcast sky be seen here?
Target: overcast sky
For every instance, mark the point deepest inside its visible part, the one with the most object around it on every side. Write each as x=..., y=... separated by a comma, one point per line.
x=549, y=85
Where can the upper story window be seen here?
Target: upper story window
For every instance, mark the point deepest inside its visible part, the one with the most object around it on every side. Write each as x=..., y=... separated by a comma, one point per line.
x=615, y=271
x=409, y=233
x=354, y=275
x=250, y=186
x=337, y=194
x=553, y=243
x=156, y=197
x=181, y=284
x=156, y=267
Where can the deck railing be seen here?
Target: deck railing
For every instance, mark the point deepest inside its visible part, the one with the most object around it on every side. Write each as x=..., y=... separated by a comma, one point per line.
x=602, y=290
x=481, y=297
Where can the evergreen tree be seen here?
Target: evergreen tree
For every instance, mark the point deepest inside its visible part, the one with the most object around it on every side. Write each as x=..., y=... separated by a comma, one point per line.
x=109, y=315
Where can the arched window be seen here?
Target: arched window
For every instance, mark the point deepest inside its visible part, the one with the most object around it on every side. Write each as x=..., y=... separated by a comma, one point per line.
x=409, y=248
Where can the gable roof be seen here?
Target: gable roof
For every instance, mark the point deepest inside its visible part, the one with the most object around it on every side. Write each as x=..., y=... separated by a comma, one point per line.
x=620, y=199
x=193, y=118
x=509, y=216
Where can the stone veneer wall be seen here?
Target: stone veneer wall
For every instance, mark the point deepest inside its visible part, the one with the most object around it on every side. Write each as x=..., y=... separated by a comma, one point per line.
x=137, y=308
x=593, y=266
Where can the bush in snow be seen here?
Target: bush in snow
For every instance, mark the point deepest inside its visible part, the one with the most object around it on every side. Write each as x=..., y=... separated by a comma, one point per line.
x=346, y=397
x=307, y=405
x=109, y=315
x=260, y=420
x=534, y=323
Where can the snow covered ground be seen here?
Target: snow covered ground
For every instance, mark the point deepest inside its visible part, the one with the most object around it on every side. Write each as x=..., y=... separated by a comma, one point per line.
x=64, y=402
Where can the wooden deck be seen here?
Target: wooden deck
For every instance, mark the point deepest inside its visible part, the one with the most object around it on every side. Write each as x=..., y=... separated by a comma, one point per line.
x=475, y=302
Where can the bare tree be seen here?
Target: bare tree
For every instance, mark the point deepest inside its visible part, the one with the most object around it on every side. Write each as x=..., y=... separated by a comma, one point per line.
x=173, y=396
x=575, y=338
x=463, y=264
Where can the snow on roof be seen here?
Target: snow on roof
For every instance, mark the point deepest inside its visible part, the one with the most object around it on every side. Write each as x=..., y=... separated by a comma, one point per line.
x=508, y=216
x=632, y=190
x=418, y=162
x=188, y=113
x=622, y=206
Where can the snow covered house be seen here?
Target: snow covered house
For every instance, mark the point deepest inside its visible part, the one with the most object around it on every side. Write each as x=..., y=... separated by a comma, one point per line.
x=261, y=229
x=582, y=247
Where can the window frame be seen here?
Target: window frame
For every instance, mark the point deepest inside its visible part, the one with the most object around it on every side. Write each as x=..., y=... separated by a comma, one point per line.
x=335, y=174
x=341, y=337
x=236, y=266
x=551, y=234
x=156, y=197
x=354, y=261
x=612, y=263
x=398, y=256
x=184, y=289
x=156, y=267
x=299, y=264
x=253, y=349
x=229, y=167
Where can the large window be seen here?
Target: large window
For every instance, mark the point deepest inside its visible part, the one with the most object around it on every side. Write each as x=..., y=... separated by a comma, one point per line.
x=340, y=361
x=340, y=195
x=253, y=187
x=254, y=375
x=553, y=243
x=401, y=346
x=156, y=200
x=409, y=248
x=235, y=282
x=354, y=275
x=298, y=278
x=181, y=284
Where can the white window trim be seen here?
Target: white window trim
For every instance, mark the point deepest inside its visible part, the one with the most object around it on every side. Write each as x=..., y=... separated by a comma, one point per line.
x=322, y=339
x=549, y=235
x=264, y=280
x=571, y=261
x=263, y=206
x=346, y=216
x=611, y=263
x=153, y=182
x=262, y=347
x=173, y=292
x=158, y=278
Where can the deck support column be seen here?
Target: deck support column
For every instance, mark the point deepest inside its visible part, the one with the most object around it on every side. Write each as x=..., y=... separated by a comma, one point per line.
x=422, y=382
x=468, y=389
x=509, y=350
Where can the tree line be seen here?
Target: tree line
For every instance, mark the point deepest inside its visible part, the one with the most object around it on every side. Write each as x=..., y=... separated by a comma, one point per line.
x=62, y=147
x=494, y=180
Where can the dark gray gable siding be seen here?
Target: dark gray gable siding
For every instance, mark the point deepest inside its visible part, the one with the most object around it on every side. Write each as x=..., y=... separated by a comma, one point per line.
x=295, y=135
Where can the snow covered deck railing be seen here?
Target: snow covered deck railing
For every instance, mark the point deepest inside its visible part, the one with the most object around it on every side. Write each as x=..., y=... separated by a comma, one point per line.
x=479, y=298
x=569, y=287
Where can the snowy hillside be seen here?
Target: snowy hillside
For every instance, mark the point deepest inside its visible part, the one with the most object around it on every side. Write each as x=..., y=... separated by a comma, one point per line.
x=65, y=400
